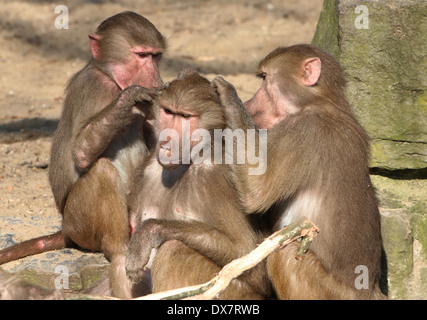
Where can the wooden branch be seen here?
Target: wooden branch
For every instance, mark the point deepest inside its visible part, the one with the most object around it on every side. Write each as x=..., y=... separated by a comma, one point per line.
x=302, y=228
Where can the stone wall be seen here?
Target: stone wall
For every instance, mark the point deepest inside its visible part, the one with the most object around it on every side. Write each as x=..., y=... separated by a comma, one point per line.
x=382, y=47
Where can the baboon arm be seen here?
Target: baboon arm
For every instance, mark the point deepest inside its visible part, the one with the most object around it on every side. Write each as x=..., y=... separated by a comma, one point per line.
x=282, y=177
x=96, y=134
x=209, y=241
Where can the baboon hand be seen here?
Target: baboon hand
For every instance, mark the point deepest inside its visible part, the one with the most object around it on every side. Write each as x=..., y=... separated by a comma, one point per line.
x=145, y=238
x=226, y=92
x=237, y=115
x=136, y=94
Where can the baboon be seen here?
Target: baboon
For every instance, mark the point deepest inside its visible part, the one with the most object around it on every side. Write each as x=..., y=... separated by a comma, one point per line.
x=102, y=137
x=189, y=210
x=317, y=166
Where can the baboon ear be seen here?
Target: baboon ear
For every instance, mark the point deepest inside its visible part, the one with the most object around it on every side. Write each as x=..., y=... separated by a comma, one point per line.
x=311, y=71
x=94, y=45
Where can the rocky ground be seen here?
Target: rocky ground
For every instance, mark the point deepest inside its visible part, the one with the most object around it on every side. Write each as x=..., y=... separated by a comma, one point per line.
x=36, y=60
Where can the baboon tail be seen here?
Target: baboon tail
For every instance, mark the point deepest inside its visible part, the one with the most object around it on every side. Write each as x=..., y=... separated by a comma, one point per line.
x=30, y=247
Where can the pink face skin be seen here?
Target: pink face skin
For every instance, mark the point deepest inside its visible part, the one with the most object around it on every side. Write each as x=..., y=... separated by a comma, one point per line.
x=142, y=68
x=270, y=105
x=265, y=107
x=172, y=148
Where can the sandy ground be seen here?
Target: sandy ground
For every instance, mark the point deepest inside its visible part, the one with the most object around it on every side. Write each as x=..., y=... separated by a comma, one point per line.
x=36, y=60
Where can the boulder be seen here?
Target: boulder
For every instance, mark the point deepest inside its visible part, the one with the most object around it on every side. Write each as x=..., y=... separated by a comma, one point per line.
x=381, y=46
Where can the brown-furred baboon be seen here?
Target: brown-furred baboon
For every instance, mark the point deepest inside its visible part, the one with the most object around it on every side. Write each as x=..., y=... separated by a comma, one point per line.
x=316, y=166
x=102, y=137
x=190, y=211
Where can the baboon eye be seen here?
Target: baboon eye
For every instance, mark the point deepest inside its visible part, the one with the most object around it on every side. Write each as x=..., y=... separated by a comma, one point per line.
x=142, y=54
x=167, y=111
x=157, y=55
x=262, y=75
x=187, y=116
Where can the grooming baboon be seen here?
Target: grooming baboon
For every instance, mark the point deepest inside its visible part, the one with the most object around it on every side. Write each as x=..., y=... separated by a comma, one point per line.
x=102, y=136
x=317, y=166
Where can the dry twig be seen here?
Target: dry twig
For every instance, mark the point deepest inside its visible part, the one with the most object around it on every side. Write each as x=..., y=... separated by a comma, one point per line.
x=302, y=228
